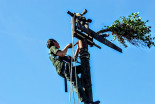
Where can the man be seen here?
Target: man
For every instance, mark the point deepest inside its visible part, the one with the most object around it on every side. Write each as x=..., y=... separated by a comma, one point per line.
x=62, y=64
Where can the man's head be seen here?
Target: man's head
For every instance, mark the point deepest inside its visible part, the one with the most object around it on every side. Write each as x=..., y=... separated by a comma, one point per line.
x=52, y=42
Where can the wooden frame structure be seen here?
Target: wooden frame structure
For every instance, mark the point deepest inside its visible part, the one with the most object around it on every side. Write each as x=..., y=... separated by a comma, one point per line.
x=81, y=30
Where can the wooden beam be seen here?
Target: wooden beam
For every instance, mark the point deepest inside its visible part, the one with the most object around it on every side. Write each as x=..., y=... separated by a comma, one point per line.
x=99, y=38
x=82, y=36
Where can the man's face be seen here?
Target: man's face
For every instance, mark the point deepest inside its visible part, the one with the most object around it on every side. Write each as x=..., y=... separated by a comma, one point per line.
x=56, y=44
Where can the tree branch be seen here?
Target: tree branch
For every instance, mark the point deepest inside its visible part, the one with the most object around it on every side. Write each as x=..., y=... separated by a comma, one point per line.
x=104, y=30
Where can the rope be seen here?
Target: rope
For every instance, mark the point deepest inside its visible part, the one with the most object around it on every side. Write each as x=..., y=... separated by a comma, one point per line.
x=75, y=68
x=76, y=78
x=71, y=88
x=71, y=69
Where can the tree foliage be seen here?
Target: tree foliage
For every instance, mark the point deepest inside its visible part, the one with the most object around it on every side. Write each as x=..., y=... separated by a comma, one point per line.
x=131, y=29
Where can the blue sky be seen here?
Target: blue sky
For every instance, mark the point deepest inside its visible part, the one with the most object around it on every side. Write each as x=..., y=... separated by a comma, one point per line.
x=28, y=77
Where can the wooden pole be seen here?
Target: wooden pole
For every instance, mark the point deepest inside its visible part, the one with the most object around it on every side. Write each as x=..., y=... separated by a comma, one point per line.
x=85, y=65
x=86, y=74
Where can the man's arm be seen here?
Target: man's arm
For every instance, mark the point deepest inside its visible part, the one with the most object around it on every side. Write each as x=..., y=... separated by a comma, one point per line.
x=79, y=46
x=77, y=52
x=63, y=52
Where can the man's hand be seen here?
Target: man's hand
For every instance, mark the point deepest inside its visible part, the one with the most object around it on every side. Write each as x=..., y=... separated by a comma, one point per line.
x=69, y=45
x=76, y=43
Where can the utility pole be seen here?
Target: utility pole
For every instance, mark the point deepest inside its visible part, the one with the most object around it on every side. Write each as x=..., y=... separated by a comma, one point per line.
x=81, y=30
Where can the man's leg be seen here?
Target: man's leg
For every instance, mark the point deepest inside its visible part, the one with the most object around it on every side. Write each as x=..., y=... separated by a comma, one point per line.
x=76, y=83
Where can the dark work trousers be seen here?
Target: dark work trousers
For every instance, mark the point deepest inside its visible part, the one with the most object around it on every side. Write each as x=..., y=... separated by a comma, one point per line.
x=84, y=86
x=71, y=76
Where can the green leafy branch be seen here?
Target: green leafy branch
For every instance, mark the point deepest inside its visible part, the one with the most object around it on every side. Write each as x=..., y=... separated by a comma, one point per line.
x=131, y=29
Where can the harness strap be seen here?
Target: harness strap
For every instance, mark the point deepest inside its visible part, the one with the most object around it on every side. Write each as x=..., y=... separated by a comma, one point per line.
x=65, y=80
